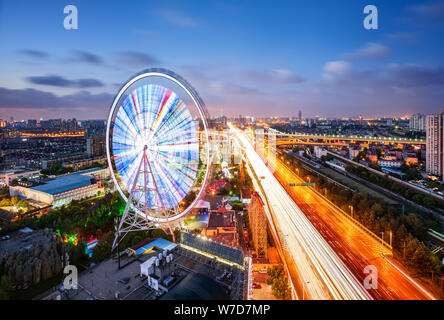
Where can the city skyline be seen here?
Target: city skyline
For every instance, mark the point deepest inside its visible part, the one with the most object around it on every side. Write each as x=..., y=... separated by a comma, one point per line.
x=238, y=56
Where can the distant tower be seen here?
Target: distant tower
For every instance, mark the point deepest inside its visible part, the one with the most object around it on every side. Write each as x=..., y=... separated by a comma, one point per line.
x=258, y=225
x=300, y=115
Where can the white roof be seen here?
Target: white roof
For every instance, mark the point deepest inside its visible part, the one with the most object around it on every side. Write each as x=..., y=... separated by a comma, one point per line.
x=203, y=204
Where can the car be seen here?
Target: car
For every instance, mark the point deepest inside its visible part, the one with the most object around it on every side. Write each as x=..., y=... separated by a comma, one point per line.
x=263, y=270
x=256, y=286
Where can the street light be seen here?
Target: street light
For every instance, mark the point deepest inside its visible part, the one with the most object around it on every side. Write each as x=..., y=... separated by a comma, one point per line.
x=351, y=209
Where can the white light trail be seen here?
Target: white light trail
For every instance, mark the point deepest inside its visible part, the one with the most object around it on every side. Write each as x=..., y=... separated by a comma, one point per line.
x=325, y=276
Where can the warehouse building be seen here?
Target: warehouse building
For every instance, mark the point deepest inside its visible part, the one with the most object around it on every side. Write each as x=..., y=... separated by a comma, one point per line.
x=63, y=189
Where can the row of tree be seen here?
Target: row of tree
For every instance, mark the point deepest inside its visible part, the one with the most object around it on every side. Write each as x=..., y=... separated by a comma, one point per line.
x=385, y=182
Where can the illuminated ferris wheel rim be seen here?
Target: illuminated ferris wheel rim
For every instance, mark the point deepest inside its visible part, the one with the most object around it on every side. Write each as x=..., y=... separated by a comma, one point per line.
x=167, y=74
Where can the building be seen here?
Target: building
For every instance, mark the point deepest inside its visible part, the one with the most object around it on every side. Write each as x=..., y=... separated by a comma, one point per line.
x=221, y=226
x=353, y=152
x=258, y=225
x=63, y=189
x=319, y=152
x=245, y=196
x=95, y=146
x=7, y=176
x=372, y=156
x=434, y=144
x=417, y=122
x=390, y=163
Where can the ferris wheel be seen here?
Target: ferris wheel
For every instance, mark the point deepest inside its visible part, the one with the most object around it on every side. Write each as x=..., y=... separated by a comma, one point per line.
x=157, y=148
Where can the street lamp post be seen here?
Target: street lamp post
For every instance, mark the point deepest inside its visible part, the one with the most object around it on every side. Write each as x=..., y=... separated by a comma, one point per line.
x=351, y=209
x=382, y=242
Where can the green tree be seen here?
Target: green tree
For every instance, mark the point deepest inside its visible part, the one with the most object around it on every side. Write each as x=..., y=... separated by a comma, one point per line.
x=101, y=251
x=158, y=233
x=278, y=281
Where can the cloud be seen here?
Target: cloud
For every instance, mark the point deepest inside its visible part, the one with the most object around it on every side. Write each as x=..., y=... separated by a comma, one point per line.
x=86, y=57
x=223, y=88
x=40, y=101
x=137, y=59
x=429, y=11
x=178, y=18
x=36, y=54
x=409, y=76
x=282, y=76
x=334, y=70
x=58, y=81
x=370, y=50
x=391, y=75
x=409, y=37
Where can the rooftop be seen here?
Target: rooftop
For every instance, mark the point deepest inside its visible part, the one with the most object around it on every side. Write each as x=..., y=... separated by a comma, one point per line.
x=64, y=183
x=221, y=218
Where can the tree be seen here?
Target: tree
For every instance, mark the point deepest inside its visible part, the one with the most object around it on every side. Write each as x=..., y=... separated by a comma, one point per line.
x=158, y=233
x=4, y=287
x=5, y=202
x=101, y=251
x=278, y=281
x=429, y=202
x=416, y=226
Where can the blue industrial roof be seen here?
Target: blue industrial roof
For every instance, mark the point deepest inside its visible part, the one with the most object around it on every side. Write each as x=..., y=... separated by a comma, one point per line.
x=64, y=183
x=158, y=243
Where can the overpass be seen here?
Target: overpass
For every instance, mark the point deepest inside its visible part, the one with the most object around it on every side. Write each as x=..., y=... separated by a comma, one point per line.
x=336, y=140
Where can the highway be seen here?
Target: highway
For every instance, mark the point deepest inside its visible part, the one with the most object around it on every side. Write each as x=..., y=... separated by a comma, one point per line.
x=320, y=272
x=356, y=248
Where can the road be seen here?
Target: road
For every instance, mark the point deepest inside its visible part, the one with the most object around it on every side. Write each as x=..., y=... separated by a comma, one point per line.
x=356, y=248
x=316, y=270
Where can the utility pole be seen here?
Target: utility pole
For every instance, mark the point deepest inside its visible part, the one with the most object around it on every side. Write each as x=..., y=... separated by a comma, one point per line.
x=404, y=249
x=382, y=242
x=391, y=235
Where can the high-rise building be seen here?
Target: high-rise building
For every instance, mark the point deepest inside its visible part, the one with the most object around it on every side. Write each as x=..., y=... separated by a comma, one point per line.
x=95, y=146
x=300, y=115
x=31, y=123
x=434, y=144
x=417, y=122
x=258, y=225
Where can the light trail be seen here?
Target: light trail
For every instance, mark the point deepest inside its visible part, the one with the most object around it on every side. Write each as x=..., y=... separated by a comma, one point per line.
x=323, y=274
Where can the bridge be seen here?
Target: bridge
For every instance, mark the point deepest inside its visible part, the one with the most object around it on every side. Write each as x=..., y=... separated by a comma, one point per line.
x=336, y=140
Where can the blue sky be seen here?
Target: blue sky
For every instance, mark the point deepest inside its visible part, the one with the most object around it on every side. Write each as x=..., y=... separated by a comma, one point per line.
x=244, y=57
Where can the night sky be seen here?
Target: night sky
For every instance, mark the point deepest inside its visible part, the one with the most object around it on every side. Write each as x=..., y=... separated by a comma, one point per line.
x=261, y=58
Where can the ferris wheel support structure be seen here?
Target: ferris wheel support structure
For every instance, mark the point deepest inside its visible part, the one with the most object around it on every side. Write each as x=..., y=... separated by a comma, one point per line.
x=133, y=222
